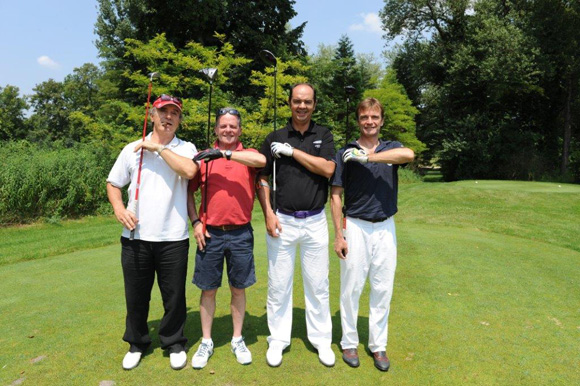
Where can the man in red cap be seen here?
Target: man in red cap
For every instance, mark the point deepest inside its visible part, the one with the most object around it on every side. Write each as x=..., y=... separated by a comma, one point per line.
x=161, y=241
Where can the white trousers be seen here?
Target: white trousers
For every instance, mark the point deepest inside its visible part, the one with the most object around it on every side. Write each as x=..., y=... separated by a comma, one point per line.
x=372, y=253
x=311, y=236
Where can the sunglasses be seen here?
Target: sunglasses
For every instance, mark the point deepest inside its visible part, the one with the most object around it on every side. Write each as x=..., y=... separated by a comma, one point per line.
x=169, y=98
x=225, y=111
x=229, y=111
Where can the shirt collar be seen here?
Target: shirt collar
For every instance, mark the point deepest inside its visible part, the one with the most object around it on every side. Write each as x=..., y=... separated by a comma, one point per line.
x=174, y=142
x=293, y=131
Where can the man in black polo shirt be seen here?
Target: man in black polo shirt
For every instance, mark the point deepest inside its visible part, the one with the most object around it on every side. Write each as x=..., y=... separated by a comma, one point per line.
x=365, y=241
x=304, y=155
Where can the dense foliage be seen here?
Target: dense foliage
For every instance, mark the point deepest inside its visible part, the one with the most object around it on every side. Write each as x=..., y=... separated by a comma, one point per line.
x=53, y=183
x=484, y=89
x=496, y=83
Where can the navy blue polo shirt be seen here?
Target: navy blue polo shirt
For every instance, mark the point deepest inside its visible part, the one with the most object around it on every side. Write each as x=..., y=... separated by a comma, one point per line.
x=296, y=187
x=370, y=190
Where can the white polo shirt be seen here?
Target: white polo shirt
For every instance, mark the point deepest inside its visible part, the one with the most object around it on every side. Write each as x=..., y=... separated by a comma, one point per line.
x=162, y=204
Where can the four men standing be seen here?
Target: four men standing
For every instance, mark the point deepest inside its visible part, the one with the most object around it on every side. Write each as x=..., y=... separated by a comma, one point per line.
x=302, y=154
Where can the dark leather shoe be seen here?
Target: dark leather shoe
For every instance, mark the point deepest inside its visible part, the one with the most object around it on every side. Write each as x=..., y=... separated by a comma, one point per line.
x=350, y=357
x=382, y=362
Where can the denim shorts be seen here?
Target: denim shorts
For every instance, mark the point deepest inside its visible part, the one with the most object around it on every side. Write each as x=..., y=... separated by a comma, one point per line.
x=236, y=247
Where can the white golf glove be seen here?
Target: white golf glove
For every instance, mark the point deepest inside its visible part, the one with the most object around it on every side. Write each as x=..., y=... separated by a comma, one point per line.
x=354, y=154
x=279, y=149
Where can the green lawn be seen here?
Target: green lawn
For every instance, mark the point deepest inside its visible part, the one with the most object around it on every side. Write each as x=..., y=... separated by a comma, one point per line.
x=486, y=292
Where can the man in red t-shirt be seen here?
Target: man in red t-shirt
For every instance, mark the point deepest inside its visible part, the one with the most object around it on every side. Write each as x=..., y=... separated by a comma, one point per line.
x=227, y=181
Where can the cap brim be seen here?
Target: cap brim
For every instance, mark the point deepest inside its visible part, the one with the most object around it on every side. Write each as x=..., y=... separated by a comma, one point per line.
x=161, y=104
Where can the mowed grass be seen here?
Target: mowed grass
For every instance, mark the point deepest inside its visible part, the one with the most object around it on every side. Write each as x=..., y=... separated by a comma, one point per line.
x=486, y=292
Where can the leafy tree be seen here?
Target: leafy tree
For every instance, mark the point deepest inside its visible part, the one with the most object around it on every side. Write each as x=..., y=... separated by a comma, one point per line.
x=180, y=75
x=261, y=122
x=555, y=25
x=332, y=69
x=481, y=80
x=50, y=118
x=399, y=112
x=12, y=109
x=63, y=109
x=247, y=25
x=82, y=89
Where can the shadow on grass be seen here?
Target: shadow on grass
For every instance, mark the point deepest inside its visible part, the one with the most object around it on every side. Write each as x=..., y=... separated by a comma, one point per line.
x=362, y=327
x=254, y=326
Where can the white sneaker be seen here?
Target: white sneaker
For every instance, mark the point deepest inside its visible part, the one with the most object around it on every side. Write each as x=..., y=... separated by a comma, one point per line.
x=274, y=356
x=204, y=351
x=243, y=355
x=326, y=356
x=178, y=360
x=131, y=360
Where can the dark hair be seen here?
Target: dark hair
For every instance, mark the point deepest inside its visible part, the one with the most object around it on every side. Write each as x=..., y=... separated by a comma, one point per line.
x=301, y=84
x=370, y=103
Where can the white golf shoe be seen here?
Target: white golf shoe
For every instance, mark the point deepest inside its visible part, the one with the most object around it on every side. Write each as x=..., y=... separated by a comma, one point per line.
x=131, y=360
x=202, y=355
x=326, y=356
x=243, y=355
x=178, y=360
x=274, y=356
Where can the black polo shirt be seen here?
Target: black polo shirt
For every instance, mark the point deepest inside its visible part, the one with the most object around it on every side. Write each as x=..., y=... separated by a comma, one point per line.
x=370, y=190
x=296, y=187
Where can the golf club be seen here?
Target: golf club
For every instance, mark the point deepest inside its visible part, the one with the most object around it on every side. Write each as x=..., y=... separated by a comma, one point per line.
x=210, y=75
x=349, y=90
x=269, y=58
x=133, y=207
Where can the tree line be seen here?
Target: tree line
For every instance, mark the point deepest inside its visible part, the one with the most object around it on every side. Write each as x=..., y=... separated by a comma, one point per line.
x=483, y=89
x=97, y=109
x=496, y=83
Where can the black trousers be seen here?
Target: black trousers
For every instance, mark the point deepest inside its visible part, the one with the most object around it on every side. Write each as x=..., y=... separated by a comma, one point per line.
x=141, y=260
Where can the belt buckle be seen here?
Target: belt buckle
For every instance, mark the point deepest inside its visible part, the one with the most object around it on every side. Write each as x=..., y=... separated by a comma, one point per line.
x=301, y=214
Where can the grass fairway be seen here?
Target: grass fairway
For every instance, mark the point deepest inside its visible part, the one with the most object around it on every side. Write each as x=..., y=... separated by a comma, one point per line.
x=486, y=292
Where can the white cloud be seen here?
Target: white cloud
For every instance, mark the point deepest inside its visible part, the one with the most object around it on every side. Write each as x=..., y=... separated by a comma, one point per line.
x=47, y=62
x=371, y=23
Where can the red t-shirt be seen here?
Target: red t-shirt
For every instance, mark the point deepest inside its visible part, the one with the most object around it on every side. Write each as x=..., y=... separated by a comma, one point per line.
x=231, y=190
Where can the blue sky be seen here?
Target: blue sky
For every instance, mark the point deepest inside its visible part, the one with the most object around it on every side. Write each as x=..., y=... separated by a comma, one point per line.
x=43, y=39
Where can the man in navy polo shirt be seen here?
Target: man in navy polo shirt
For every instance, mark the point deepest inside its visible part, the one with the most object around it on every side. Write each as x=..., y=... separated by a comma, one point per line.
x=304, y=155
x=365, y=239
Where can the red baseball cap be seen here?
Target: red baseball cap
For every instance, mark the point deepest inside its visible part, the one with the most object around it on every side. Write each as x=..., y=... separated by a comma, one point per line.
x=165, y=100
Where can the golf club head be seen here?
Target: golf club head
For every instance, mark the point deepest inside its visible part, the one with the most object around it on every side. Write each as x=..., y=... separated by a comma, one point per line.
x=210, y=73
x=350, y=89
x=153, y=75
x=268, y=58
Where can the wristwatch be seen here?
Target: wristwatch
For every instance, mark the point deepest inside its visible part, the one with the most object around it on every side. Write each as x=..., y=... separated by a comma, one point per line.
x=228, y=154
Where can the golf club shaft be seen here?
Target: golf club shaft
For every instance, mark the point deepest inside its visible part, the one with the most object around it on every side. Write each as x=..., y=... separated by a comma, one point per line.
x=135, y=202
x=206, y=163
x=275, y=126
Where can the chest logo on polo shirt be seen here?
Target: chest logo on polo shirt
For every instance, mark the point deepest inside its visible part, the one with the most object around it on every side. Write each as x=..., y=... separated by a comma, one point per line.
x=317, y=143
